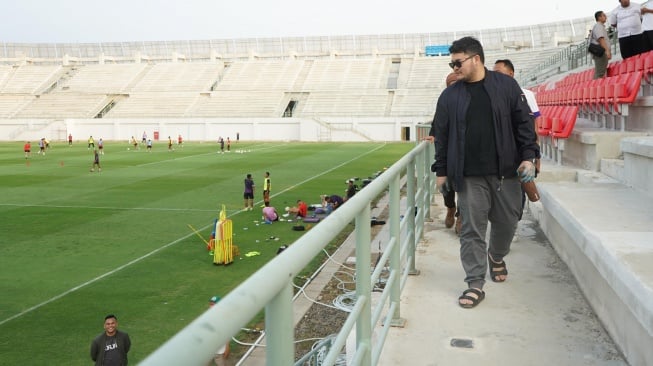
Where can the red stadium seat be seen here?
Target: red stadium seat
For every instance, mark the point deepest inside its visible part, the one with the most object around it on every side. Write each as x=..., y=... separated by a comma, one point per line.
x=622, y=91
x=631, y=63
x=625, y=90
x=564, y=124
x=546, y=119
x=613, y=68
x=647, y=66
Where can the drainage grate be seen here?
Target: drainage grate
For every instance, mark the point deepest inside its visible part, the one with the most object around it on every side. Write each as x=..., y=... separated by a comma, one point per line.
x=462, y=343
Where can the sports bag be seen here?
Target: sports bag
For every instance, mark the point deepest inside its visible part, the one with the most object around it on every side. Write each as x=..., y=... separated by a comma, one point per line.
x=596, y=49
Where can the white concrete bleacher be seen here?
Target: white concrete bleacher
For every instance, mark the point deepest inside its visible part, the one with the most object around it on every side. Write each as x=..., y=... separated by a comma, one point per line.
x=179, y=77
x=423, y=72
x=523, y=60
x=162, y=104
x=11, y=104
x=342, y=74
x=419, y=84
x=261, y=75
x=30, y=79
x=62, y=106
x=408, y=102
x=247, y=103
x=5, y=71
x=350, y=103
x=102, y=78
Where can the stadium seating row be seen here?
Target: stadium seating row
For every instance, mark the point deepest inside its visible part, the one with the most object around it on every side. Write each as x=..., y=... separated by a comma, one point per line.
x=554, y=126
x=580, y=94
x=642, y=62
x=610, y=95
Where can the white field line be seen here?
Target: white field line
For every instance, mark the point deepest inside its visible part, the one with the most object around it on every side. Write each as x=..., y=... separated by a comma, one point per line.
x=110, y=207
x=78, y=287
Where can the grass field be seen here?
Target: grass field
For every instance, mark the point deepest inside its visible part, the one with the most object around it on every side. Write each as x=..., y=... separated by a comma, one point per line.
x=77, y=245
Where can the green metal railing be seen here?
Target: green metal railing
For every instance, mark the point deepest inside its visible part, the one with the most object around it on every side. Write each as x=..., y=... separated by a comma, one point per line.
x=271, y=287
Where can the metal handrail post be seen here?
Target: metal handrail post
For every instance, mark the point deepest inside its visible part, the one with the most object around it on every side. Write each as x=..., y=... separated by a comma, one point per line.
x=279, y=328
x=364, y=285
x=395, y=256
x=420, y=191
x=429, y=152
x=410, y=214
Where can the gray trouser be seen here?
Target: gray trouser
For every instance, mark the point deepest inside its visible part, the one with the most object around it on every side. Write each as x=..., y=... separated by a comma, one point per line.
x=600, y=66
x=484, y=199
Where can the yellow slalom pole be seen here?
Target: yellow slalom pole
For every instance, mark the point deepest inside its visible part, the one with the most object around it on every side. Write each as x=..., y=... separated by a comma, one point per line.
x=198, y=234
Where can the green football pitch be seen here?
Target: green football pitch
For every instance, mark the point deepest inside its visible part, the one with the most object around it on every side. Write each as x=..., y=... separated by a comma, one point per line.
x=77, y=245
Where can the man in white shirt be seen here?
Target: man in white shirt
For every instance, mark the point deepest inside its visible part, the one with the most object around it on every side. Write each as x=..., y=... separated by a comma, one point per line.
x=647, y=25
x=506, y=67
x=627, y=17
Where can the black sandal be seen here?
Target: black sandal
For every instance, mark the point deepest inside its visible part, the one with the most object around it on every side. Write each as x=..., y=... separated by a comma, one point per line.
x=497, y=269
x=480, y=295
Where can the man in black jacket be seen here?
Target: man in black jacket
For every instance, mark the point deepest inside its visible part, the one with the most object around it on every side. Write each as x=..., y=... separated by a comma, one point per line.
x=110, y=348
x=485, y=143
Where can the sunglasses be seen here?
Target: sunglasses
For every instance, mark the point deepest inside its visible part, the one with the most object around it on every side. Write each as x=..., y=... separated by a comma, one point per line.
x=459, y=63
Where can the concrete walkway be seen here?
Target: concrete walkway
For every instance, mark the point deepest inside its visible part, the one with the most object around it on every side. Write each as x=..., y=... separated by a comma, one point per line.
x=537, y=317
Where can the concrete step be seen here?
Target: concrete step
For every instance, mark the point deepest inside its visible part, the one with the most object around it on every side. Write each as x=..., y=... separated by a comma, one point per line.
x=603, y=230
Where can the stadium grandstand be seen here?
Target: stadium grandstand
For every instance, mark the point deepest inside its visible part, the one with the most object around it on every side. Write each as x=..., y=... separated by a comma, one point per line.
x=595, y=187
x=338, y=88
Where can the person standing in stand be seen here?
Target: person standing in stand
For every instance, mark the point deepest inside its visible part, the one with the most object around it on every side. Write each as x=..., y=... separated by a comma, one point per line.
x=627, y=17
x=599, y=36
x=647, y=25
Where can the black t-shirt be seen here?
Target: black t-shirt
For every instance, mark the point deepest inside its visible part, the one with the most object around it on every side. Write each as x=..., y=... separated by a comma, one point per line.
x=112, y=355
x=480, y=146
